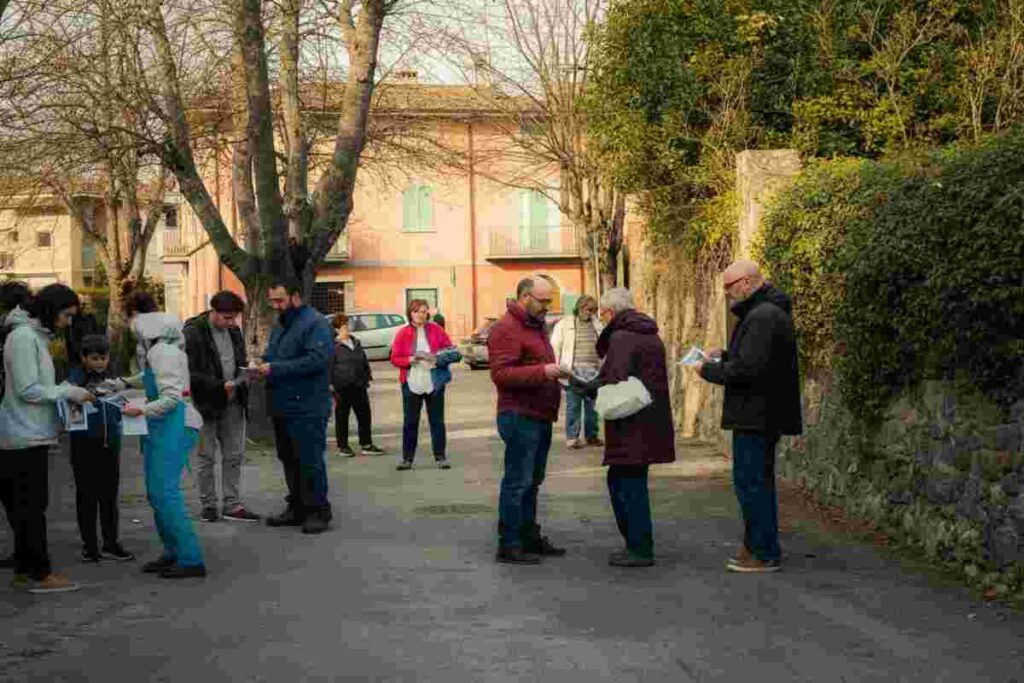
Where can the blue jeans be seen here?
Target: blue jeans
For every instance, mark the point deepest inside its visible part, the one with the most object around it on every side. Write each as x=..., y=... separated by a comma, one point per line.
x=527, y=442
x=301, y=443
x=412, y=404
x=753, y=476
x=573, y=401
x=627, y=488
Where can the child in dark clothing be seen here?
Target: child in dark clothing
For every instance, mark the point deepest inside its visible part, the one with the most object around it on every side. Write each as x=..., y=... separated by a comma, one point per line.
x=96, y=458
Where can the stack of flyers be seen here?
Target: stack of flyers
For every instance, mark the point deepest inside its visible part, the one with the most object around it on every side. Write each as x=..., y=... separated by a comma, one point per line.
x=118, y=400
x=72, y=415
x=696, y=355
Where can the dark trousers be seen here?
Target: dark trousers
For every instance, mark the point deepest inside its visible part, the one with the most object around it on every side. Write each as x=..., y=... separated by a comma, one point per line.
x=527, y=442
x=411, y=406
x=301, y=443
x=97, y=470
x=24, y=479
x=356, y=399
x=631, y=502
x=753, y=476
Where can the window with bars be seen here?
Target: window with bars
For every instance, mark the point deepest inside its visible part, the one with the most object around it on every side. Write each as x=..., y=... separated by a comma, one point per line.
x=6, y=260
x=44, y=239
x=329, y=297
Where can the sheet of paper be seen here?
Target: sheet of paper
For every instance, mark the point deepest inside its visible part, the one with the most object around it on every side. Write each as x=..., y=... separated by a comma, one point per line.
x=696, y=355
x=134, y=426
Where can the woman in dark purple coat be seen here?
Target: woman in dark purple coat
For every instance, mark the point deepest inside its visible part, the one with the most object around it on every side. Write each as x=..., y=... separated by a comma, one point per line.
x=630, y=346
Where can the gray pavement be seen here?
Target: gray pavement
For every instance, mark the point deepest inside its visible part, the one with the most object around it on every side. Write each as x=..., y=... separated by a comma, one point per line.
x=404, y=587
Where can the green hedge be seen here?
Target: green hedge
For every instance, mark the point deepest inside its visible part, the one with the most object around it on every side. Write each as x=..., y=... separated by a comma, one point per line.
x=907, y=271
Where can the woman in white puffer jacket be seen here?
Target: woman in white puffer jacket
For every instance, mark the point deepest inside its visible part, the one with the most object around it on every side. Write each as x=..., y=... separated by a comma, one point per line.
x=170, y=421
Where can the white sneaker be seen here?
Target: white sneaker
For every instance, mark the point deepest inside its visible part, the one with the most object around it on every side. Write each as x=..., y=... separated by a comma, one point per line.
x=574, y=443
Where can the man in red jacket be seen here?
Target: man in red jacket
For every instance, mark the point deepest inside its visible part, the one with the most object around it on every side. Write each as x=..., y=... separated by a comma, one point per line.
x=524, y=370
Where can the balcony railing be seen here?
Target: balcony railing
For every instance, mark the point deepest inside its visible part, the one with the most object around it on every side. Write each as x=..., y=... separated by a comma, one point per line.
x=533, y=242
x=339, y=252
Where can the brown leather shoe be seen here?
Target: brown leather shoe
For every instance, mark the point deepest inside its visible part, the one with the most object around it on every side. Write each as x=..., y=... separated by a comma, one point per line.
x=742, y=555
x=754, y=566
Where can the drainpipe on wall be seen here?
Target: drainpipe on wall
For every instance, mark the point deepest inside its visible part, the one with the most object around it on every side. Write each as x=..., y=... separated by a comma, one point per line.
x=472, y=227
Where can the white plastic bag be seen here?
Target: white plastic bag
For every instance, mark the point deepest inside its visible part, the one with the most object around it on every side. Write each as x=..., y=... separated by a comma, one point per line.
x=419, y=379
x=622, y=399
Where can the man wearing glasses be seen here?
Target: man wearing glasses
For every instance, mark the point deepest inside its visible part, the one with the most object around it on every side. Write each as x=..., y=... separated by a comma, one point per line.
x=761, y=376
x=524, y=370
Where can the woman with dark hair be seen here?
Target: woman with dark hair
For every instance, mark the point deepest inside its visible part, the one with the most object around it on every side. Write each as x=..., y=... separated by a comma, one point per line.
x=29, y=425
x=350, y=382
x=422, y=352
x=13, y=293
x=165, y=449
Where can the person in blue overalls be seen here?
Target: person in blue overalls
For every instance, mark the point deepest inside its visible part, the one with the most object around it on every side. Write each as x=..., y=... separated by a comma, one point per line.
x=172, y=426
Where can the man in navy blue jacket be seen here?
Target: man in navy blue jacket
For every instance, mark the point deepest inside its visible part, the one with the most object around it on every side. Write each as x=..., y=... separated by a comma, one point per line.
x=296, y=366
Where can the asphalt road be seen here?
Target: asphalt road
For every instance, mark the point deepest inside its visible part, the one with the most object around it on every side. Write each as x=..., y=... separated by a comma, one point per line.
x=404, y=587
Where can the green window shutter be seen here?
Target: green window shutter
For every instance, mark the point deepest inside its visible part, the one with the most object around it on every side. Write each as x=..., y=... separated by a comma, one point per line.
x=523, y=216
x=426, y=208
x=409, y=209
x=539, y=221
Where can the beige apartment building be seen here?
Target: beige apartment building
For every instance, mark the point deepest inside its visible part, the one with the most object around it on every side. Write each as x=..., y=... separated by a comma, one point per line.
x=40, y=244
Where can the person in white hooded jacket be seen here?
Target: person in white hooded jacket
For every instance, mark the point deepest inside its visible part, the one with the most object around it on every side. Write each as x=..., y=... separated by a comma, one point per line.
x=574, y=341
x=172, y=424
x=29, y=426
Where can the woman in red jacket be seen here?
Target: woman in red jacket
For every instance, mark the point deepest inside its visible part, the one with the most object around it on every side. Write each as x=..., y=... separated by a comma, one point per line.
x=422, y=352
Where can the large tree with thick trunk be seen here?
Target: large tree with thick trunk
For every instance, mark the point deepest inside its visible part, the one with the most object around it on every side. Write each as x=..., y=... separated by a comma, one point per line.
x=269, y=135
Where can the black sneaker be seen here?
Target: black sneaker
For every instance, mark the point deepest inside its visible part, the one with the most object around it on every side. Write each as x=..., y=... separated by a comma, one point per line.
x=507, y=555
x=177, y=571
x=240, y=514
x=346, y=452
x=117, y=553
x=444, y=464
x=158, y=565
x=315, y=524
x=404, y=465
x=372, y=450
x=628, y=559
x=541, y=545
x=209, y=514
x=290, y=517
x=90, y=555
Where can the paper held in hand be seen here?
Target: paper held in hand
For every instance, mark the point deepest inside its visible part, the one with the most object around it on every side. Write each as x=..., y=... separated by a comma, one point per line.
x=583, y=375
x=696, y=355
x=134, y=426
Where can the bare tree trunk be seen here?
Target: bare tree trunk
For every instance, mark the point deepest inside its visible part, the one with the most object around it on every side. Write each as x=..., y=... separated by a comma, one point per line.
x=270, y=206
x=296, y=145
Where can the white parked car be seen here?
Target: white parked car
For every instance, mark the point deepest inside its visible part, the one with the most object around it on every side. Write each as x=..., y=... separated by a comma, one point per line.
x=376, y=331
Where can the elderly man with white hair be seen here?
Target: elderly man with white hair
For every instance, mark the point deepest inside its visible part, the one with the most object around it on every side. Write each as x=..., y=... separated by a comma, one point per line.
x=630, y=347
x=761, y=376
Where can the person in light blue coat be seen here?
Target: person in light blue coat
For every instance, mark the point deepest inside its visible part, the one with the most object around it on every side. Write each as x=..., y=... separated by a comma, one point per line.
x=29, y=426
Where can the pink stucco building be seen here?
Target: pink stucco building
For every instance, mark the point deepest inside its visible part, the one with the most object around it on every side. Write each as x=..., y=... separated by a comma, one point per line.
x=460, y=236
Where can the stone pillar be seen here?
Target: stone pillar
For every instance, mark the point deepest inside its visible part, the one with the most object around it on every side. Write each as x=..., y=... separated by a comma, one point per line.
x=758, y=174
